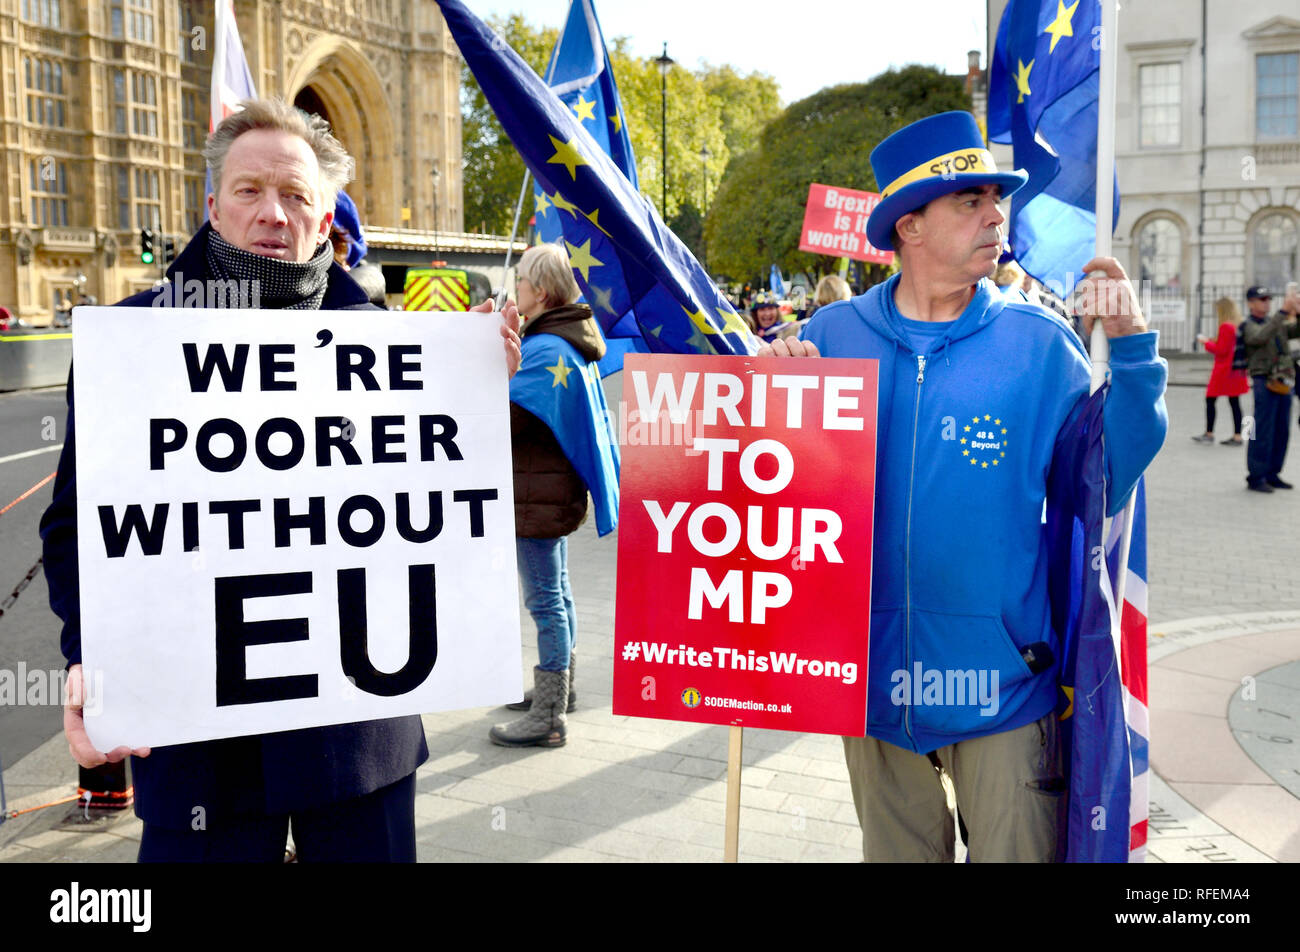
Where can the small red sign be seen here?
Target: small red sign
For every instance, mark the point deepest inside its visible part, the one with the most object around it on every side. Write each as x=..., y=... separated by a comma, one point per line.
x=835, y=223
x=744, y=549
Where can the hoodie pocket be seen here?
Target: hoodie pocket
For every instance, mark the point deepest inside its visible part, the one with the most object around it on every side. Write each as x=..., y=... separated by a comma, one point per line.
x=885, y=656
x=961, y=667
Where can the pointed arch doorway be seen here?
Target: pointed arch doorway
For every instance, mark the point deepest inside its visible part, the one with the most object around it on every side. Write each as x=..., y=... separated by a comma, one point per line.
x=335, y=81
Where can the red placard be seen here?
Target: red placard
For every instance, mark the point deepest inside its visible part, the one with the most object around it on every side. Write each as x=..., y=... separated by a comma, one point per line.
x=744, y=541
x=835, y=223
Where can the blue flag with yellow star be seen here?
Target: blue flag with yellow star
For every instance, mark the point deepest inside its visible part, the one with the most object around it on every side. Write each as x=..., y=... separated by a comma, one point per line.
x=562, y=390
x=581, y=74
x=635, y=273
x=1043, y=87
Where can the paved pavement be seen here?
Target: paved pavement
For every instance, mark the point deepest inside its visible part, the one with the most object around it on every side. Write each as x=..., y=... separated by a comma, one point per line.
x=1225, y=703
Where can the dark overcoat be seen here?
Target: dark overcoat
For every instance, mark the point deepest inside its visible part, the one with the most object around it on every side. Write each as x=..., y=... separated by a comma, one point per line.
x=266, y=774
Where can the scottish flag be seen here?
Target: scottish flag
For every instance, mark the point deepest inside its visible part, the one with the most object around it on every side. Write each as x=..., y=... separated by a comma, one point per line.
x=557, y=386
x=1043, y=86
x=1103, y=664
x=635, y=273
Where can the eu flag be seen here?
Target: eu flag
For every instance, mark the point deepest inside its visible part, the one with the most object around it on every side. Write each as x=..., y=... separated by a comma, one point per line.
x=1043, y=88
x=581, y=74
x=555, y=384
x=629, y=265
x=1103, y=669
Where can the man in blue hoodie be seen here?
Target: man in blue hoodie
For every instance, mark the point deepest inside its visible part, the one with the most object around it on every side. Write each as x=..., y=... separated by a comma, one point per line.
x=975, y=391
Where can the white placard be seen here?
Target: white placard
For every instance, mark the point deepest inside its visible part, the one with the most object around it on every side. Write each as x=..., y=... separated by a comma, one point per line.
x=232, y=524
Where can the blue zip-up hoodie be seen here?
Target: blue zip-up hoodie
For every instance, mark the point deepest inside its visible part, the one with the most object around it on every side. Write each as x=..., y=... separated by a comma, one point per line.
x=966, y=433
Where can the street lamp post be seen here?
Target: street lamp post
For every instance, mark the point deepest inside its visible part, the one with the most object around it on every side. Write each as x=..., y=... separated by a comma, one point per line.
x=704, y=197
x=704, y=178
x=665, y=64
x=436, y=176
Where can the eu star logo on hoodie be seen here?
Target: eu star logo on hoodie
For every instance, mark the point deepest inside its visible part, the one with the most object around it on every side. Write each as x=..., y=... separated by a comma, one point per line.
x=983, y=441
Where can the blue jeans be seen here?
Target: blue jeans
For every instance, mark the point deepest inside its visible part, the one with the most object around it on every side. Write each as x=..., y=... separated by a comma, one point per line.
x=544, y=576
x=1267, y=451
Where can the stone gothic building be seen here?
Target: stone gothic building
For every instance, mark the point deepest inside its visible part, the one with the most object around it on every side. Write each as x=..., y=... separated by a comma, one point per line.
x=104, y=107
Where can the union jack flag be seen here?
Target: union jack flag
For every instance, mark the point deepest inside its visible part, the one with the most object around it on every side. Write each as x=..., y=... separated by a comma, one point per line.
x=1133, y=660
x=1104, y=725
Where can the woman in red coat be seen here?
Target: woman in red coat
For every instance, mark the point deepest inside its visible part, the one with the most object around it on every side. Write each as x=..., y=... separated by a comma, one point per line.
x=1224, y=381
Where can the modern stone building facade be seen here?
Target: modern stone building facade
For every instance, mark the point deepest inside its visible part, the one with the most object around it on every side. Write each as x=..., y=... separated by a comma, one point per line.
x=104, y=107
x=1207, y=150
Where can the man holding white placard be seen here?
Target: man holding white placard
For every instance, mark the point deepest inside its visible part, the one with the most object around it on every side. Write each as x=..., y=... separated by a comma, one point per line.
x=348, y=788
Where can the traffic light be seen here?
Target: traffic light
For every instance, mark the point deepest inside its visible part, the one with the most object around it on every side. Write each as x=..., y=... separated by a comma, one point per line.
x=169, y=250
x=146, y=246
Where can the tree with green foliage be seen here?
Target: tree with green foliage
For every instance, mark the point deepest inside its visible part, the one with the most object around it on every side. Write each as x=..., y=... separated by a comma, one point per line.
x=757, y=216
x=493, y=170
x=715, y=109
x=748, y=103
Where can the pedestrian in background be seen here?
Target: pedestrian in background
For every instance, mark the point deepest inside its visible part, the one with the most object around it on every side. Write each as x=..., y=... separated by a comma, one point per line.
x=1011, y=281
x=767, y=318
x=829, y=289
x=563, y=445
x=1224, y=380
x=1272, y=373
x=63, y=311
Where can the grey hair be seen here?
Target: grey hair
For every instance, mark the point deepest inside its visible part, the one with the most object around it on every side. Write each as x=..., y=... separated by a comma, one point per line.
x=547, y=267
x=336, y=167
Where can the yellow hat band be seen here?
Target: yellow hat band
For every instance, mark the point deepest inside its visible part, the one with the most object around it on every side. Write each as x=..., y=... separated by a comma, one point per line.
x=961, y=162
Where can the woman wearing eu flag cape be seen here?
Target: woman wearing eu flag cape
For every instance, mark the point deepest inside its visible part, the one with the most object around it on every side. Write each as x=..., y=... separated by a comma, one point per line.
x=563, y=446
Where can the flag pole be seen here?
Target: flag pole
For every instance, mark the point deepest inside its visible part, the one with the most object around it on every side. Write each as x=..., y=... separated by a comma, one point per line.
x=731, y=830
x=1105, y=173
x=510, y=246
x=1105, y=227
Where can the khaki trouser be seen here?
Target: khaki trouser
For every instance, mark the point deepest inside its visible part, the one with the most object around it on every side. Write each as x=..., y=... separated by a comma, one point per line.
x=1010, y=793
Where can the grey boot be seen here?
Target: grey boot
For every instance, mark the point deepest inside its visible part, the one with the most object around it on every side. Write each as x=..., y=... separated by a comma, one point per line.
x=544, y=724
x=527, y=702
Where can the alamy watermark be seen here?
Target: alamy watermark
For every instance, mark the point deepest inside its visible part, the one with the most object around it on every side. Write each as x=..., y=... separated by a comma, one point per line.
x=181, y=291
x=78, y=904
x=38, y=687
x=636, y=428
x=946, y=687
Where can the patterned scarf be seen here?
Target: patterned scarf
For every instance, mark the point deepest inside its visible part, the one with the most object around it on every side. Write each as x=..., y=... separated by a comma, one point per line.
x=298, y=285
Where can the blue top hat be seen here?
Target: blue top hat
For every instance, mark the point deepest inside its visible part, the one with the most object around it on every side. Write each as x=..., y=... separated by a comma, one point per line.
x=933, y=156
x=348, y=221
